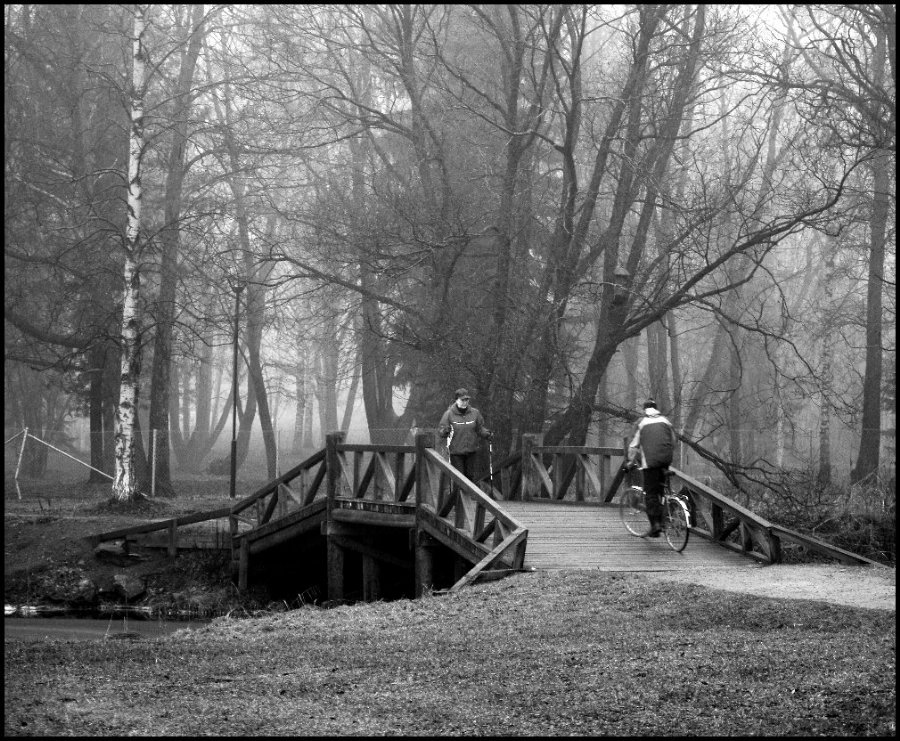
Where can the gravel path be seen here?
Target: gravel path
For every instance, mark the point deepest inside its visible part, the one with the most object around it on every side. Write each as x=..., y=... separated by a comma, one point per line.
x=870, y=587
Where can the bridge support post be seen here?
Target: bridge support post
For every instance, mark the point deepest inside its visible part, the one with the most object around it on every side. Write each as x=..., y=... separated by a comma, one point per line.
x=424, y=564
x=335, y=570
x=244, y=565
x=335, y=553
x=371, y=576
x=460, y=568
x=774, y=548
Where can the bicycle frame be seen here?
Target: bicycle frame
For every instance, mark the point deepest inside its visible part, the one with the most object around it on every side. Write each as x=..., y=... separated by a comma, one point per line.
x=676, y=514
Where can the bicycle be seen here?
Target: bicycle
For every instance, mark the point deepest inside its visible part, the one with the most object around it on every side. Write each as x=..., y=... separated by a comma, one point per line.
x=676, y=514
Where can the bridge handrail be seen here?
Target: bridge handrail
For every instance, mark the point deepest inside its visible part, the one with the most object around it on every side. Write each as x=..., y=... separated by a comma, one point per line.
x=569, y=462
x=470, y=489
x=820, y=546
x=364, y=483
x=757, y=531
x=509, y=535
x=168, y=523
x=274, y=486
x=754, y=533
x=231, y=512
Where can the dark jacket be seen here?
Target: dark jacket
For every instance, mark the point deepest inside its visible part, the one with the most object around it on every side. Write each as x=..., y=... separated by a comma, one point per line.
x=654, y=440
x=464, y=427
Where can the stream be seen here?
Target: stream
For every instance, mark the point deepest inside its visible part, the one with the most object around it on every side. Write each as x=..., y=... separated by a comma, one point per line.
x=90, y=629
x=35, y=623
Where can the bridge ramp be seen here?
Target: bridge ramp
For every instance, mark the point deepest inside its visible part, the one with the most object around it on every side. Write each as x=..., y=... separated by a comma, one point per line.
x=564, y=535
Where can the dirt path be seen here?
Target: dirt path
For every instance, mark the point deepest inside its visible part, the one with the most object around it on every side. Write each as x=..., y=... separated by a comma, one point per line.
x=856, y=586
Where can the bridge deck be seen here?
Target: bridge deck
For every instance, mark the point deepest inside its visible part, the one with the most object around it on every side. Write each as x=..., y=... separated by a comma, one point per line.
x=591, y=536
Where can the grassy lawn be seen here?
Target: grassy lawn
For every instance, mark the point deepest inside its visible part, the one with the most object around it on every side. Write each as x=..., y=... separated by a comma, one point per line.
x=581, y=653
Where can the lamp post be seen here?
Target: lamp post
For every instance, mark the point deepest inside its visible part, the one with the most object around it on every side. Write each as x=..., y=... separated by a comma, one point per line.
x=237, y=288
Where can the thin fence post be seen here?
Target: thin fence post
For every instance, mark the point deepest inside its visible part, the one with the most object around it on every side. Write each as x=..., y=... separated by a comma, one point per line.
x=19, y=462
x=153, y=458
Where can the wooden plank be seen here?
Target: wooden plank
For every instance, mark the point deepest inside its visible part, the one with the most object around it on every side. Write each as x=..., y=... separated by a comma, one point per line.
x=407, y=487
x=149, y=527
x=376, y=519
x=387, y=473
x=446, y=534
x=562, y=535
x=297, y=499
x=316, y=483
x=376, y=448
x=297, y=470
x=314, y=512
x=591, y=475
x=491, y=558
x=821, y=546
x=575, y=450
x=543, y=477
x=471, y=490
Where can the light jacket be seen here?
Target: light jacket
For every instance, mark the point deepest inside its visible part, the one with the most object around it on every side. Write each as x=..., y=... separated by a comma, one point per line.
x=466, y=426
x=654, y=441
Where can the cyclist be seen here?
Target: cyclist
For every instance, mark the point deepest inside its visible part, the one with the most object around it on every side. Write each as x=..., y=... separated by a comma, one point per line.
x=652, y=448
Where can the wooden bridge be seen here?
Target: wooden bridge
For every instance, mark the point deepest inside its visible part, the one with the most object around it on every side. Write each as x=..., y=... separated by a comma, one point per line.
x=383, y=521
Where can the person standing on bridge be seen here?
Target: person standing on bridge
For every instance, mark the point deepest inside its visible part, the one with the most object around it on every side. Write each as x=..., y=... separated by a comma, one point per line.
x=652, y=448
x=464, y=427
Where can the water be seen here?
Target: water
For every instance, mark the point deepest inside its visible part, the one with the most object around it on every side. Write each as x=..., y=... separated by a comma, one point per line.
x=90, y=629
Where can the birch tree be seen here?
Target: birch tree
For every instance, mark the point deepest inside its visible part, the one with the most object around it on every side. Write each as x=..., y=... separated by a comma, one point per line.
x=125, y=483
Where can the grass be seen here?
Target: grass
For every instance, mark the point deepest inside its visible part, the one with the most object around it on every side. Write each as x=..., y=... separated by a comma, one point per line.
x=564, y=653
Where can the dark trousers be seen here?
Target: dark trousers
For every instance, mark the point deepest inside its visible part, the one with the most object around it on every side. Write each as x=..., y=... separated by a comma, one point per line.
x=654, y=479
x=464, y=463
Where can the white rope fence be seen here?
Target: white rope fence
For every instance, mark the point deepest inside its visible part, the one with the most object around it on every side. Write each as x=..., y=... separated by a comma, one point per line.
x=25, y=435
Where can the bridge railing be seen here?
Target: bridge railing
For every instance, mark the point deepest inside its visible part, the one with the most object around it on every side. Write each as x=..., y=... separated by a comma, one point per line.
x=380, y=473
x=297, y=488
x=458, y=513
x=373, y=483
x=724, y=521
x=567, y=472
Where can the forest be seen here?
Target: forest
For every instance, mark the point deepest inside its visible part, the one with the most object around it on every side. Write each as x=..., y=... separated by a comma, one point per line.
x=312, y=216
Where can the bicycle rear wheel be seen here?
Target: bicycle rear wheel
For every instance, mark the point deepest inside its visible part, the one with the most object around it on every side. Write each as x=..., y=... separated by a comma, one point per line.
x=633, y=510
x=677, y=532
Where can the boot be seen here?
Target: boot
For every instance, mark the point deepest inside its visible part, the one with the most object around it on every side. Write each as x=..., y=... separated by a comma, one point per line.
x=655, y=530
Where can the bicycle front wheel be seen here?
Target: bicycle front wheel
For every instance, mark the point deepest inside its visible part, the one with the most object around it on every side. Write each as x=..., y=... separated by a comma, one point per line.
x=633, y=510
x=677, y=520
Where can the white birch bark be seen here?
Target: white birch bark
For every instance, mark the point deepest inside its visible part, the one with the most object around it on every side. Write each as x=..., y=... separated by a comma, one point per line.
x=124, y=485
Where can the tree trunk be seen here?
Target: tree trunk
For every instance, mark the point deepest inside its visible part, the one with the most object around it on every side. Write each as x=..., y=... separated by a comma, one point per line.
x=870, y=442
x=823, y=477
x=351, y=400
x=658, y=365
x=299, y=442
x=125, y=484
x=169, y=241
x=869, y=455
